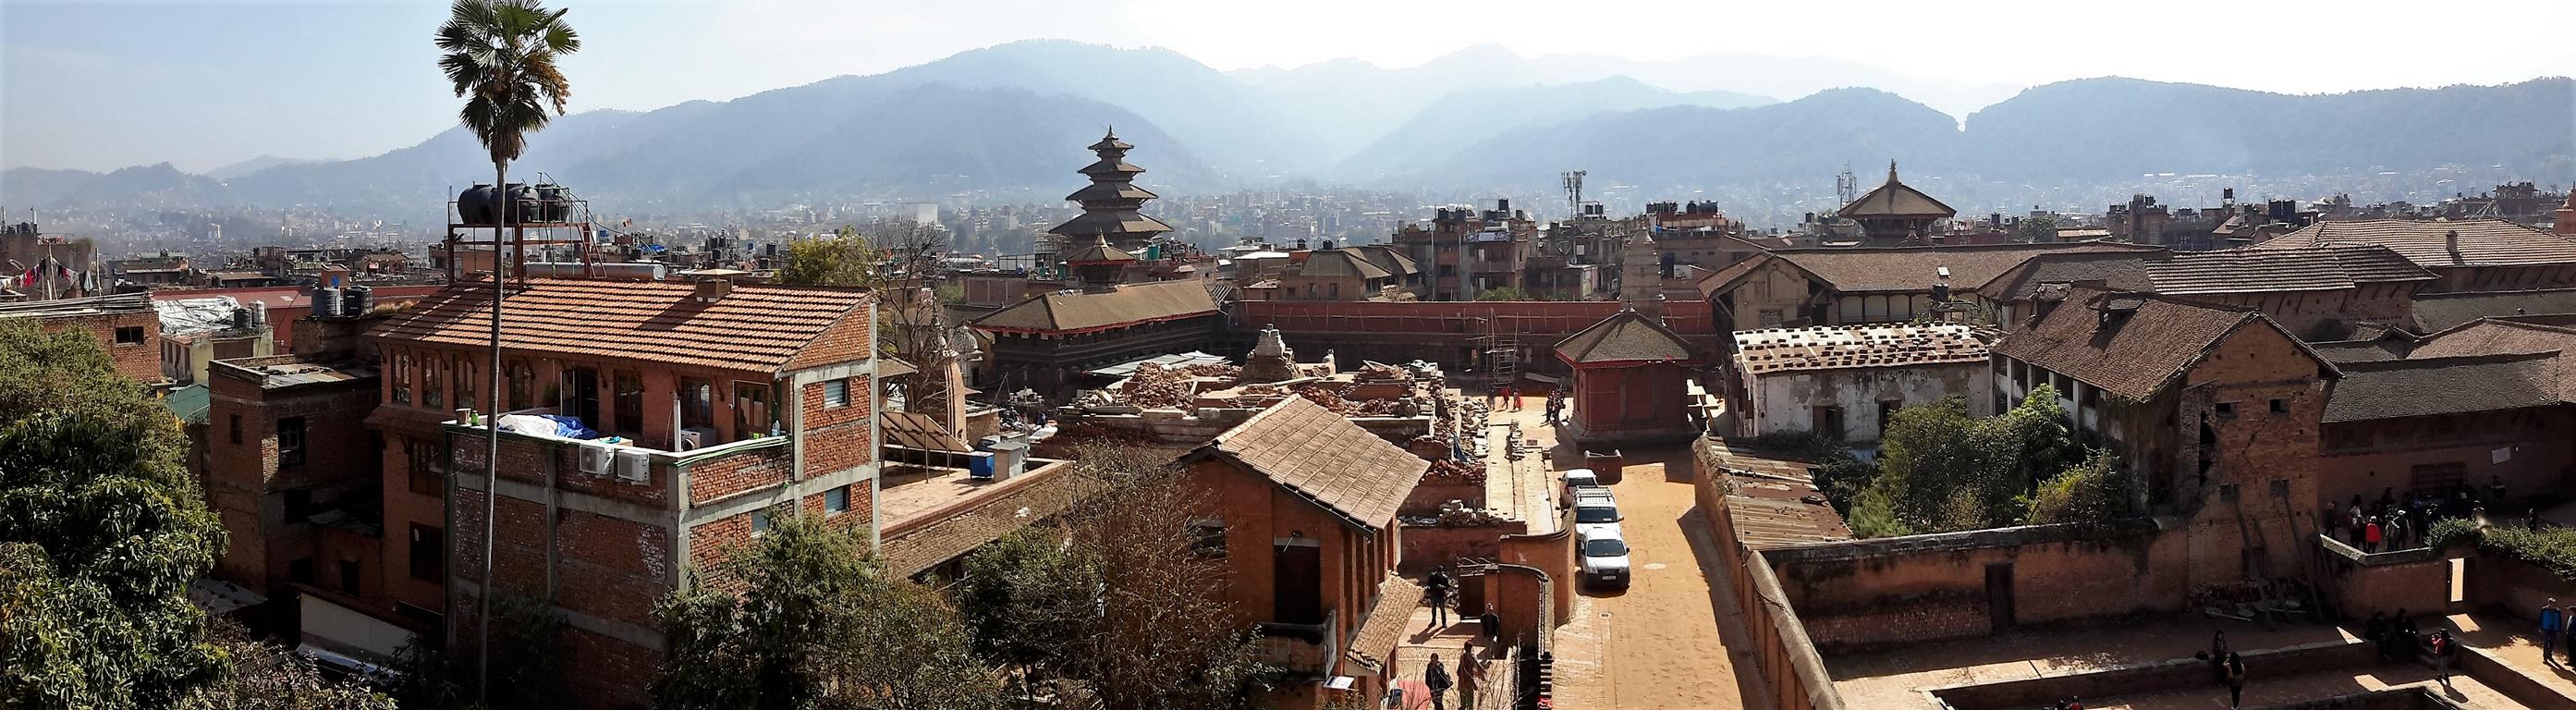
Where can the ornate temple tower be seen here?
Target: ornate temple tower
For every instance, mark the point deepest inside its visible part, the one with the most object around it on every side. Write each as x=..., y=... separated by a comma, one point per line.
x=1110, y=202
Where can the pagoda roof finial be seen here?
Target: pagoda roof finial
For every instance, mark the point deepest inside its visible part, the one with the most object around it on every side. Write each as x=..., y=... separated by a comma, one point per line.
x=1891, y=171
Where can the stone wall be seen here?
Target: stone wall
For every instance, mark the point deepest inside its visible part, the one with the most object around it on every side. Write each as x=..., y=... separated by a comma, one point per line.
x=1785, y=659
x=2417, y=580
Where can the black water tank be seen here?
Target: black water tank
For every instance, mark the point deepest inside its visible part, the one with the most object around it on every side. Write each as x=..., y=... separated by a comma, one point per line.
x=523, y=204
x=554, y=202
x=355, y=301
x=474, y=206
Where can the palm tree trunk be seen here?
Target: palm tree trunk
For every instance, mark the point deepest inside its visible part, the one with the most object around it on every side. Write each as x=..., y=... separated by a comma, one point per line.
x=492, y=437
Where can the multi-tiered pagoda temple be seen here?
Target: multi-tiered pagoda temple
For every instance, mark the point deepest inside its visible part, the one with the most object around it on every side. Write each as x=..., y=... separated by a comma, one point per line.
x=1110, y=202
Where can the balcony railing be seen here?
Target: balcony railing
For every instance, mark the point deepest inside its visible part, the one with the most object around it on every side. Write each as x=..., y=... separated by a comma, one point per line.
x=1300, y=648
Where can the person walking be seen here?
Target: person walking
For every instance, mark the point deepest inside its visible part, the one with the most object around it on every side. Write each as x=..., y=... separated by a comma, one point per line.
x=2235, y=680
x=1471, y=673
x=1437, y=591
x=2370, y=535
x=2441, y=646
x=1492, y=623
x=2551, y=621
x=2218, y=655
x=1435, y=679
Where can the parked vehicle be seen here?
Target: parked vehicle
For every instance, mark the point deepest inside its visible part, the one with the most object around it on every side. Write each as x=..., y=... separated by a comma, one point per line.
x=1595, y=513
x=1605, y=558
x=1578, y=479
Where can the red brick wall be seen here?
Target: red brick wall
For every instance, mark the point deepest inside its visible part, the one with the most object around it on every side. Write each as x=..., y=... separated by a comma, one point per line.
x=403, y=509
x=731, y=474
x=1425, y=548
x=245, y=484
x=854, y=338
x=140, y=361
x=2365, y=458
x=839, y=438
x=2419, y=582
x=608, y=673
x=713, y=542
x=611, y=568
x=1256, y=512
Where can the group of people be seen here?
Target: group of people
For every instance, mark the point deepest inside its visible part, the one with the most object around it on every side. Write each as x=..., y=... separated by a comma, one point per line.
x=2400, y=640
x=2227, y=666
x=2399, y=523
x=1440, y=590
x=2557, y=634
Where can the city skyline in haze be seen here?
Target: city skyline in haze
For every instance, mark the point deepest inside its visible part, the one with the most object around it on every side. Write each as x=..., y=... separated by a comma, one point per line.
x=102, y=85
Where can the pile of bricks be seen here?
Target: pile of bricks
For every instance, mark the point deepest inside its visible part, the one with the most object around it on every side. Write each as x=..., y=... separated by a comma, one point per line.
x=1154, y=387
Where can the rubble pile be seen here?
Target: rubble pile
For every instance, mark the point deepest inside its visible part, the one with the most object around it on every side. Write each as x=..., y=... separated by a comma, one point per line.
x=1331, y=398
x=1379, y=372
x=1456, y=513
x=1452, y=472
x=1155, y=387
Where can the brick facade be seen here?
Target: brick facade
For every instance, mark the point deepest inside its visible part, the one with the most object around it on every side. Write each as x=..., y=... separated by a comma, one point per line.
x=139, y=359
x=265, y=500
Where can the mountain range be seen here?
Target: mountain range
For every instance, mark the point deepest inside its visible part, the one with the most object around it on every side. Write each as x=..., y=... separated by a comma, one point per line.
x=1009, y=122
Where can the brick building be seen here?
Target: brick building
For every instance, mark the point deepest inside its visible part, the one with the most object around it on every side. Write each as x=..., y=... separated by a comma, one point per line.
x=124, y=325
x=2211, y=406
x=1631, y=381
x=1845, y=383
x=1896, y=214
x=1046, y=342
x=2319, y=293
x=2468, y=255
x=1303, y=509
x=292, y=472
x=1348, y=274
x=1797, y=288
x=2487, y=402
x=1495, y=246
x=723, y=404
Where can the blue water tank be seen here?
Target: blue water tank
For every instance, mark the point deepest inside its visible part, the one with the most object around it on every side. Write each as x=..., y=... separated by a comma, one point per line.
x=980, y=465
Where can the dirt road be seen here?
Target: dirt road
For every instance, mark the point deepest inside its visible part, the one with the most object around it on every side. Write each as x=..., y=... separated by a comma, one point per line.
x=1656, y=644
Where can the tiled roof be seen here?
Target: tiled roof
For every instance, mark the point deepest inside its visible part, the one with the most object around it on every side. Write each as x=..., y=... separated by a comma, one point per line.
x=2481, y=242
x=1099, y=251
x=1773, y=500
x=2348, y=351
x=1910, y=269
x=1895, y=199
x=755, y=327
x=1059, y=311
x=2303, y=269
x=2115, y=270
x=75, y=307
x=2495, y=337
x=1327, y=459
x=1340, y=263
x=2444, y=311
x=1626, y=336
x=1393, y=260
x=2446, y=385
x=1396, y=599
x=1829, y=347
x=1032, y=497
x=1110, y=222
x=2135, y=355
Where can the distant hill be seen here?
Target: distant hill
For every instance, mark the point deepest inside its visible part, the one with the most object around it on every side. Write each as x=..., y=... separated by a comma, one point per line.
x=22, y=187
x=1009, y=122
x=845, y=136
x=1465, y=118
x=2086, y=130
x=253, y=165
x=2111, y=127
x=1698, y=145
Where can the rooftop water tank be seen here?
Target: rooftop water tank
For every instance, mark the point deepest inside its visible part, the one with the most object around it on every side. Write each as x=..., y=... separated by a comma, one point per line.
x=326, y=302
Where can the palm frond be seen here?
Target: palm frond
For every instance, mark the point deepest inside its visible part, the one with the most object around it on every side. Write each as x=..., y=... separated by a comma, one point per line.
x=500, y=56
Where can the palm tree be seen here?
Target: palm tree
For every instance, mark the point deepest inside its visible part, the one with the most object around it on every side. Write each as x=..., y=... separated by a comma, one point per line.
x=501, y=54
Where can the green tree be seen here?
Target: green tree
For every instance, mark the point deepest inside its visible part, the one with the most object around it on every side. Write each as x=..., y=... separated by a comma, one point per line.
x=842, y=259
x=1942, y=470
x=500, y=55
x=815, y=624
x=269, y=678
x=101, y=530
x=530, y=658
x=2094, y=491
x=2041, y=228
x=1505, y=293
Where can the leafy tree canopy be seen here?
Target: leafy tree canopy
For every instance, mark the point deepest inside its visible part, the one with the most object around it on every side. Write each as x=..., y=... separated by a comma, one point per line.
x=101, y=530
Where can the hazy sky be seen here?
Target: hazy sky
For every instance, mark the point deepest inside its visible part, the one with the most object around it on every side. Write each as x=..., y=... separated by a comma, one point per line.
x=104, y=83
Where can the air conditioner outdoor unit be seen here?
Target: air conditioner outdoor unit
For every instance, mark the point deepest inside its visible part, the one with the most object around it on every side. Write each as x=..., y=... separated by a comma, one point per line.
x=694, y=438
x=634, y=466
x=595, y=459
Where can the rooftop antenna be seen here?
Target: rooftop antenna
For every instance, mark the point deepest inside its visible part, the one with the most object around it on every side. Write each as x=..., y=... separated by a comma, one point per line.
x=1574, y=190
x=1846, y=185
